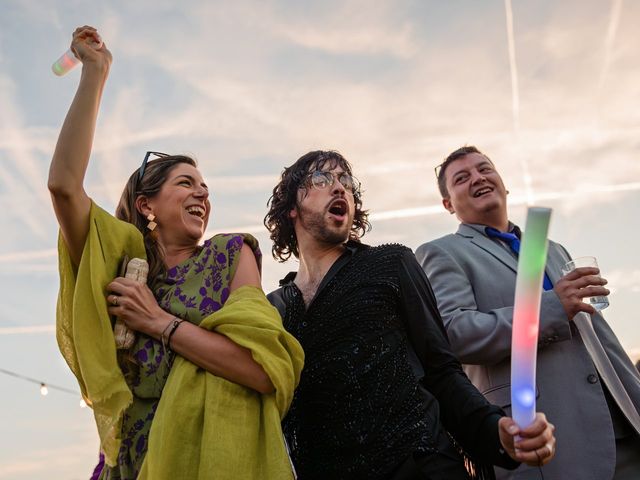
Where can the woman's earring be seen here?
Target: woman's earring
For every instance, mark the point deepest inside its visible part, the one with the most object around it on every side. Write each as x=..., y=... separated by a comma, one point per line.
x=151, y=225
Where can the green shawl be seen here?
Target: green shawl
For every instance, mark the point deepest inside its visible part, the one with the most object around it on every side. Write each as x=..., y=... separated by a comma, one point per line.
x=205, y=426
x=230, y=431
x=83, y=327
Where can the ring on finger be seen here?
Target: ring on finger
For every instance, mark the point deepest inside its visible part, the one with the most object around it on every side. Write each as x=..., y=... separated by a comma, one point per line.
x=114, y=300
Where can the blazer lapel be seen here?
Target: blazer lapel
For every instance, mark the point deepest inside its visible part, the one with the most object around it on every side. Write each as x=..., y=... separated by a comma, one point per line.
x=489, y=246
x=555, y=262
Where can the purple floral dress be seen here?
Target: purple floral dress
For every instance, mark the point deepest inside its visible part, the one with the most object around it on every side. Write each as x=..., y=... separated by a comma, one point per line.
x=192, y=291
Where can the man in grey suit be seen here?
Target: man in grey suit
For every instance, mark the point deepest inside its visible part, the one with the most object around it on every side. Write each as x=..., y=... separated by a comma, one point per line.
x=473, y=274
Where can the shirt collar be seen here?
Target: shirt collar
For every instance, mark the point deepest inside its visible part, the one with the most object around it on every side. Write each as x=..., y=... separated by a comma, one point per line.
x=513, y=228
x=351, y=248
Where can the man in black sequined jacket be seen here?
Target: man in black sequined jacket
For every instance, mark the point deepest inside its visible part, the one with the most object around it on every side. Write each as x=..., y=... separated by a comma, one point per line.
x=381, y=395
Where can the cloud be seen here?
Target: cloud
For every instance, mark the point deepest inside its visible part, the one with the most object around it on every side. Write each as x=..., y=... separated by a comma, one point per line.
x=27, y=330
x=252, y=87
x=348, y=28
x=624, y=279
x=247, y=87
x=19, y=168
x=71, y=458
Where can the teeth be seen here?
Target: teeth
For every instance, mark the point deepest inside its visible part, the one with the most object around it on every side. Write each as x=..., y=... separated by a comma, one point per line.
x=199, y=211
x=482, y=191
x=338, y=208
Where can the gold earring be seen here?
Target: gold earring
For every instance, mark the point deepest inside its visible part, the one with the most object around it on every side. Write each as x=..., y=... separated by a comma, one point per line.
x=151, y=225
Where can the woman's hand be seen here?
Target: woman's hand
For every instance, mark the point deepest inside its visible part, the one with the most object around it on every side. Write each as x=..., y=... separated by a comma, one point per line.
x=88, y=46
x=135, y=305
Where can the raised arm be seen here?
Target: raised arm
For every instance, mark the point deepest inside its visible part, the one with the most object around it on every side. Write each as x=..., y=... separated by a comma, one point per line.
x=71, y=157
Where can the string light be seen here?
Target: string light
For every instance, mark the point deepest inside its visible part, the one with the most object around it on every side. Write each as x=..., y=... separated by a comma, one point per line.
x=45, y=386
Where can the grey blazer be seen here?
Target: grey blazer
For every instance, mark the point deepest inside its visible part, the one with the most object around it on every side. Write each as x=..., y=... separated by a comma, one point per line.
x=474, y=279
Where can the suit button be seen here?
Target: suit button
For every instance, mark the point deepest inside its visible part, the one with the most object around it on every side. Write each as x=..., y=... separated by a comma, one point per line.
x=592, y=378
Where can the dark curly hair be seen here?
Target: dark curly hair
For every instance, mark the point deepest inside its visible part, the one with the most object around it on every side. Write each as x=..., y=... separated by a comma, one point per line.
x=285, y=199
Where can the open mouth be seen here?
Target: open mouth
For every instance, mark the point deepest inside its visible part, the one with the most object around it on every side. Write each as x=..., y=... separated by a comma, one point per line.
x=338, y=208
x=482, y=191
x=196, y=211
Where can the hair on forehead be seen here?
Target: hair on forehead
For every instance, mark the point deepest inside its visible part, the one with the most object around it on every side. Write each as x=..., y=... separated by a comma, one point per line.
x=328, y=163
x=285, y=198
x=452, y=157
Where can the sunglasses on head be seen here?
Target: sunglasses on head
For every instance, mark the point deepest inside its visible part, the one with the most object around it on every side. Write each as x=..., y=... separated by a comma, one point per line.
x=143, y=167
x=437, y=170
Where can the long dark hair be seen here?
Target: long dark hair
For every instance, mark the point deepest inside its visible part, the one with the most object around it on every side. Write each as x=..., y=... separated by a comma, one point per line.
x=285, y=198
x=155, y=175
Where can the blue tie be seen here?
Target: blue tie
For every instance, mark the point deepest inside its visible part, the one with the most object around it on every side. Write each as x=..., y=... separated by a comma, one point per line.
x=514, y=244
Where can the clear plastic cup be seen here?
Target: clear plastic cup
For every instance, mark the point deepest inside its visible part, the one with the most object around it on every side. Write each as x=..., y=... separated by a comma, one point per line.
x=600, y=302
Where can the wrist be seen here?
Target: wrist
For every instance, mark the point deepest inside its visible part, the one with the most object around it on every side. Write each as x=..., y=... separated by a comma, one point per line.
x=168, y=332
x=160, y=325
x=92, y=69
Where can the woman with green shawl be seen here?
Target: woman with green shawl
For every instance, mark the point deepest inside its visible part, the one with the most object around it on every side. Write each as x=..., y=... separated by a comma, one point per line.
x=201, y=392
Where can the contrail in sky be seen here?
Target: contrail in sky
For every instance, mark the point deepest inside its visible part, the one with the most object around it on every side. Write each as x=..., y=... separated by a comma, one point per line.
x=515, y=92
x=614, y=21
x=30, y=329
x=515, y=101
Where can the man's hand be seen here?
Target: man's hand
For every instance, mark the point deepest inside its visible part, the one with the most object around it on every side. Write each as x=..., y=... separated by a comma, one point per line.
x=578, y=284
x=535, y=445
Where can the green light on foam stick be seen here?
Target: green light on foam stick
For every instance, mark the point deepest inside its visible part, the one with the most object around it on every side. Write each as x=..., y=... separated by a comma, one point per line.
x=526, y=315
x=533, y=251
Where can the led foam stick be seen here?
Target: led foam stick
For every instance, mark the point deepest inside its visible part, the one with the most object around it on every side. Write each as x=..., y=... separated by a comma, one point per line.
x=65, y=63
x=526, y=315
x=68, y=60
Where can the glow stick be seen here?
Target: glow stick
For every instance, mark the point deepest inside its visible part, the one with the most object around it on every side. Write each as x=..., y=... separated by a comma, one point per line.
x=68, y=60
x=65, y=63
x=526, y=315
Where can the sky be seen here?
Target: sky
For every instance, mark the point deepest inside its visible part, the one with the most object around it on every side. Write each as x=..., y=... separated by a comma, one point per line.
x=549, y=90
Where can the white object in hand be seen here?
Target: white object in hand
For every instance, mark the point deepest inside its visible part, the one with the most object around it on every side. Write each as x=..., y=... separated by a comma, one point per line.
x=65, y=63
x=68, y=60
x=137, y=269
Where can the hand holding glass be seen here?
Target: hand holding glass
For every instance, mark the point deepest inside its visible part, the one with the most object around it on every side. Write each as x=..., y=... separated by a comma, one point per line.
x=599, y=303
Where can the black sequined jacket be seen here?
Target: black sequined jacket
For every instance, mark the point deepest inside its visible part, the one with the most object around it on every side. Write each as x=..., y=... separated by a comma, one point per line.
x=380, y=381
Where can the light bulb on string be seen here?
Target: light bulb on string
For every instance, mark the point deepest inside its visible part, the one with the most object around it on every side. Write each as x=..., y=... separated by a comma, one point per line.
x=44, y=386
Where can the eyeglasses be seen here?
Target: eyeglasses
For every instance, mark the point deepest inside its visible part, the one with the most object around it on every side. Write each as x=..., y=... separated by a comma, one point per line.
x=322, y=180
x=143, y=167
